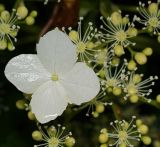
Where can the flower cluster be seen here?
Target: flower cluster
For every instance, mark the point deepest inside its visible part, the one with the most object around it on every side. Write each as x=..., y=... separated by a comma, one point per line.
x=84, y=41
x=134, y=87
x=124, y=134
x=9, y=25
x=81, y=67
x=117, y=31
x=54, y=137
x=150, y=16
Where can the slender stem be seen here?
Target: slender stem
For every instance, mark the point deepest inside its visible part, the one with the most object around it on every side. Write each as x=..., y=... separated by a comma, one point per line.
x=150, y=102
x=128, y=8
x=131, y=51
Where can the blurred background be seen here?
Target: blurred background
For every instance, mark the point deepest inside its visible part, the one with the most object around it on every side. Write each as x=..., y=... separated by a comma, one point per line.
x=15, y=127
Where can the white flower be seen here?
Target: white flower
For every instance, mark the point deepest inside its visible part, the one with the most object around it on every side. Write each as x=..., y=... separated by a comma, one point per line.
x=53, y=76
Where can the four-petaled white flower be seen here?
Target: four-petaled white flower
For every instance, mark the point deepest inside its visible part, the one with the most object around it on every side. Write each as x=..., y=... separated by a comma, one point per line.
x=53, y=76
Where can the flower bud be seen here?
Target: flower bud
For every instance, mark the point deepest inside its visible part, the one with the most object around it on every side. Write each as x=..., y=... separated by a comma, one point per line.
x=3, y=44
x=33, y=13
x=131, y=65
x=37, y=135
x=132, y=32
x=100, y=107
x=5, y=15
x=140, y=58
x=125, y=20
x=115, y=61
x=30, y=20
x=138, y=122
x=95, y=114
x=153, y=8
x=158, y=98
x=118, y=50
x=117, y=91
x=20, y=104
x=146, y=140
x=11, y=47
x=31, y=115
x=73, y=35
x=22, y=12
x=143, y=129
x=104, y=145
x=134, y=98
x=70, y=141
x=103, y=137
x=116, y=18
x=148, y=51
x=137, y=78
x=122, y=145
x=90, y=45
x=101, y=73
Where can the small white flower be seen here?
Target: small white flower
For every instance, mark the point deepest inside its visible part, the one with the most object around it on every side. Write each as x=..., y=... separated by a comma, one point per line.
x=150, y=16
x=124, y=133
x=8, y=29
x=53, y=76
x=53, y=136
x=85, y=41
x=117, y=32
x=114, y=75
x=134, y=85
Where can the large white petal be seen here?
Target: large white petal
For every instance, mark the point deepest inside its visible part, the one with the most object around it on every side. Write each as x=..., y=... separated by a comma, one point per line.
x=48, y=102
x=56, y=52
x=26, y=72
x=81, y=83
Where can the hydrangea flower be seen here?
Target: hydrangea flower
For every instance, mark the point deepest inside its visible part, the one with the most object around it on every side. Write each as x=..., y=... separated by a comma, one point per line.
x=53, y=76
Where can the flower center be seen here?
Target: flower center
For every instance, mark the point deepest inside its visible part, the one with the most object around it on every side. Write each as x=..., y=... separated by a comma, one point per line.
x=131, y=89
x=5, y=28
x=54, y=77
x=101, y=57
x=121, y=36
x=81, y=46
x=122, y=135
x=112, y=82
x=53, y=142
x=153, y=22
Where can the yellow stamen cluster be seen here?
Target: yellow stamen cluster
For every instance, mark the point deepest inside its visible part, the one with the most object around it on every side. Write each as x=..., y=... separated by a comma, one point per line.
x=124, y=134
x=117, y=30
x=84, y=41
x=9, y=28
x=150, y=17
x=53, y=137
x=135, y=87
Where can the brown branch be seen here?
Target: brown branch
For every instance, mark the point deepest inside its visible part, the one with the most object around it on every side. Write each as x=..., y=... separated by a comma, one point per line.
x=65, y=14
